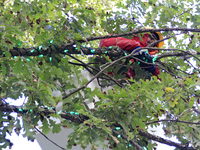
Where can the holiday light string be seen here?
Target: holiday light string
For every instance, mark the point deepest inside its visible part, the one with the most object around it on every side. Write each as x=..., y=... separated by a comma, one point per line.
x=11, y=108
x=23, y=111
x=154, y=59
x=50, y=44
x=18, y=51
x=119, y=135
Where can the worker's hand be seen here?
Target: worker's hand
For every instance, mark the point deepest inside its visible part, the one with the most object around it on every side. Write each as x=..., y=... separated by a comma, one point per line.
x=143, y=55
x=146, y=58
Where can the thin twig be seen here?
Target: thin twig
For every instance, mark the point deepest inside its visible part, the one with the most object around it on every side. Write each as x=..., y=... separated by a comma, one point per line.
x=185, y=111
x=172, y=120
x=186, y=11
x=86, y=65
x=173, y=54
x=193, y=66
x=49, y=139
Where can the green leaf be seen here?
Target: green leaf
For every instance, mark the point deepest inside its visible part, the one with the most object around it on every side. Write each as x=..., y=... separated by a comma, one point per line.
x=67, y=123
x=130, y=136
x=82, y=128
x=29, y=132
x=7, y=54
x=56, y=127
x=45, y=127
x=191, y=102
x=18, y=67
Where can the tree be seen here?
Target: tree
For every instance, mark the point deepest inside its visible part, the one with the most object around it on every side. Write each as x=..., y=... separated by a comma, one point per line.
x=38, y=56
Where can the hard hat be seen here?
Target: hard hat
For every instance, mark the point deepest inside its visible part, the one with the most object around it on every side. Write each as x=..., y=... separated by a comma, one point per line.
x=160, y=44
x=160, y=37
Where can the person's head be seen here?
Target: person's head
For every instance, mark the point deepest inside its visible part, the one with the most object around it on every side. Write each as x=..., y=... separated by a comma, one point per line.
x=153, y=37
x=156, y=36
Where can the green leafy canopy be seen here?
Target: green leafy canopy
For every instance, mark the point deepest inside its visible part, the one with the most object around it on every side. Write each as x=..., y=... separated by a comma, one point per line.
x=132, y=104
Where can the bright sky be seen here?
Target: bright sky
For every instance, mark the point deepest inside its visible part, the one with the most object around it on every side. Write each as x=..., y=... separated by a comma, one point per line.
x=21, y=143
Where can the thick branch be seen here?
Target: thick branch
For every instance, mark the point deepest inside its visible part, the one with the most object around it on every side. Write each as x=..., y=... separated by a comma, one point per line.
x=164, y=141
x=63, y=50
x=10, y=108
x=174, y=53
x=134, y=32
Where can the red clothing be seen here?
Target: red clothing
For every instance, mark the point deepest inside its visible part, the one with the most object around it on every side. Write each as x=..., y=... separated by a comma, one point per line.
x=128, y=45
x=124, y=43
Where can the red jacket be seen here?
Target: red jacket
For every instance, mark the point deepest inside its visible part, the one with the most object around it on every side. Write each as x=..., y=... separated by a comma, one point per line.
x=128, y=45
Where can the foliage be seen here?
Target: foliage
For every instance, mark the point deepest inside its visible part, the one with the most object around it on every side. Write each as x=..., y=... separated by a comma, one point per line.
x=136, y=105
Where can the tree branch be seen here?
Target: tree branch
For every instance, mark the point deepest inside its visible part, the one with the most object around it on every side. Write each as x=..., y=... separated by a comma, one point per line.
x=9, y=108
x=63, y=50
x=164, y=141
x=134, y=32
x=112, y=63
x=126, y=138
x=171, y=120
x=49, y=139
x=86, y=65
x=184, y=53
x=176, y=54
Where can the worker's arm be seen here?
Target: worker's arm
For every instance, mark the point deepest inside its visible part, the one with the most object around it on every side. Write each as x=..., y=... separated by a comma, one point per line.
x=123, y=43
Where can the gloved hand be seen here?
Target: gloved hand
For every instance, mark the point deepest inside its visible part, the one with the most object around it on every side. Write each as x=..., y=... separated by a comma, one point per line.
x=146, y=58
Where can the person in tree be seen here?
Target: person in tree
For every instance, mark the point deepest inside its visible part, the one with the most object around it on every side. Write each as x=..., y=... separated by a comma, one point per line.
x=133, y=44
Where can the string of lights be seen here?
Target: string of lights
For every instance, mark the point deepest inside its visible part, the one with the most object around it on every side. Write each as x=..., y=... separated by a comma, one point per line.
x=72, y=116
x=50, y=48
